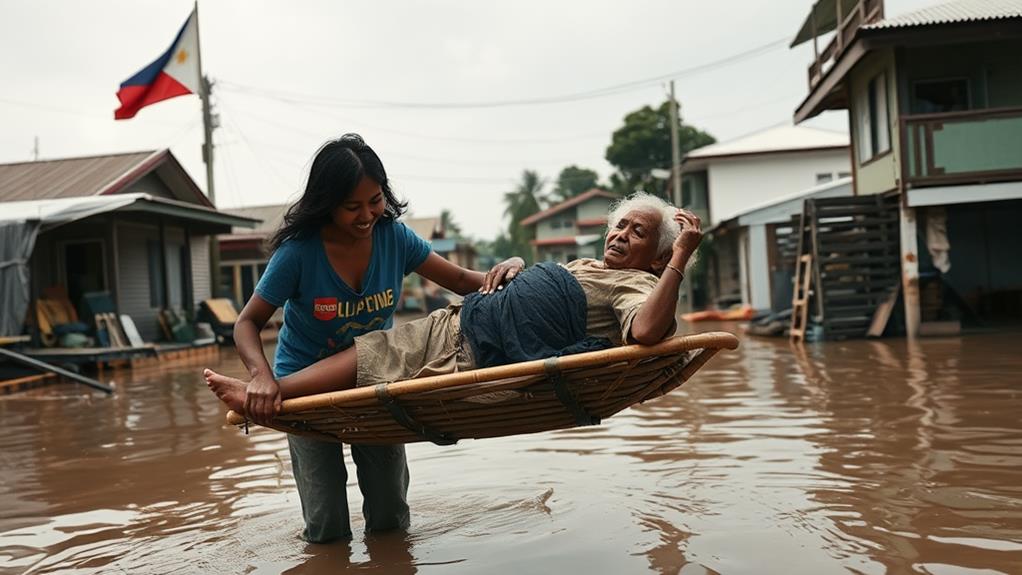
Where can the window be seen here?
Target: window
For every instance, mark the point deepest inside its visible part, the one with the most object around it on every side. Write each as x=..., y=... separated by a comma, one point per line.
x=227, y=287
x=555, y=224
x=843, y=175
x=874, y=130
x=938, y=96
x=248, y=282
x=155, y=274
x=823, y=178
x=84, y=268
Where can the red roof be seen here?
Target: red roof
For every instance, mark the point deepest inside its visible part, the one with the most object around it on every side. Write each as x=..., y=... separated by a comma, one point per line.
x=569, y=203
x=592, y=222
x=570, y=240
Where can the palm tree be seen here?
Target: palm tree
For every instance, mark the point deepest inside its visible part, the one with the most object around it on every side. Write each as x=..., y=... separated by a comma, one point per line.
x=450, y=227
x=526, y=199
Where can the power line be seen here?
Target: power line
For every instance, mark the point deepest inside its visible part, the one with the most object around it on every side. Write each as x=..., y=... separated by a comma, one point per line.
x=415, y=135
x=296, y=97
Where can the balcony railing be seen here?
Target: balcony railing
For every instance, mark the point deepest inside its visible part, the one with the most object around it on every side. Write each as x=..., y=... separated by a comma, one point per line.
x=850, y=14
x=974, y=146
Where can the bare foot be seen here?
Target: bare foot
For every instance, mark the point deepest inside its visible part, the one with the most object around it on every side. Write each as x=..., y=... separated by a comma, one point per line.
x=230, y=390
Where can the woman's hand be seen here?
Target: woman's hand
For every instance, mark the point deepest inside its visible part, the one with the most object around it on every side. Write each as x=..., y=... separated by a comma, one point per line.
x=502, y=273
x=262, y=399
x=689, y=238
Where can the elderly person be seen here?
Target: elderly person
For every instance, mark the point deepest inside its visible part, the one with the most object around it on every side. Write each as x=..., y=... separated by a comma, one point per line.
x=628, y=297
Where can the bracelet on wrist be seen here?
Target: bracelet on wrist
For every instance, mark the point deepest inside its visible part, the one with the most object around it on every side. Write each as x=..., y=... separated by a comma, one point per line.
x=675, y=268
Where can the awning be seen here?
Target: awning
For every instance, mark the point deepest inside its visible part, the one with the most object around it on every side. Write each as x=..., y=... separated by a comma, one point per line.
x=56, y=212
x=825, y=13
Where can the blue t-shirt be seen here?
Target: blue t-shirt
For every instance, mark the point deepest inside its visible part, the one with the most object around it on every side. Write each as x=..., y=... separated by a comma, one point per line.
x=322, y=314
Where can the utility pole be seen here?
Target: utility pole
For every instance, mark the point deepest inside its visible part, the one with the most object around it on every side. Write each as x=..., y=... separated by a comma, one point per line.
x=209, y=123
x=675, y=151
x=676, y=185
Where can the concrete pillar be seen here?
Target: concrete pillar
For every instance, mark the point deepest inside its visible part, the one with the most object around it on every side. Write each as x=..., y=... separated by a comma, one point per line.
x=910, y=271
x=759, y=269
x=743, y=266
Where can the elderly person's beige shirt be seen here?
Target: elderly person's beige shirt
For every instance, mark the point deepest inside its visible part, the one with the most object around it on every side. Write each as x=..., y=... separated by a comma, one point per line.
x=434, y=345
x=613, y=297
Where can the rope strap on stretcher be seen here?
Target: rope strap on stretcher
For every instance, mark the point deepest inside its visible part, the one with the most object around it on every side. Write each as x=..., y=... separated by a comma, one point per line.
x=400, y=415
x=577, y=410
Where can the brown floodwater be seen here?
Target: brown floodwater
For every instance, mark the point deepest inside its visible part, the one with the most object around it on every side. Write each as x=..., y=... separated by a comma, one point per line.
x=857, y=457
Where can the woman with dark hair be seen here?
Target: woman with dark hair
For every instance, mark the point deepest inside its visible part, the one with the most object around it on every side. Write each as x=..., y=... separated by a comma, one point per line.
x=337, y=265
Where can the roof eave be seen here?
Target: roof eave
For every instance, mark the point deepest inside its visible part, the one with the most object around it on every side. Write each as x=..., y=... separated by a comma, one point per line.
x=829, y=93
x=185, y=210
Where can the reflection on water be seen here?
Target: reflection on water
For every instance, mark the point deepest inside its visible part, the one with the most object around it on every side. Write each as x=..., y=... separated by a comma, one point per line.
x=859, y=457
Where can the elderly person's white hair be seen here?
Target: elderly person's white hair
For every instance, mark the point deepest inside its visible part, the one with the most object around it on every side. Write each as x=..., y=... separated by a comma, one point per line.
x=669, y=229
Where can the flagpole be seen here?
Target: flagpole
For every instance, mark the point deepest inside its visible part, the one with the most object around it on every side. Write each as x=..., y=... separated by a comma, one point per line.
x=208, y=125
x=207, y=114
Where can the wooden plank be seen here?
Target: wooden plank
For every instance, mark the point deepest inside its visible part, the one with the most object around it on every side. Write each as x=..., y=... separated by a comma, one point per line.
x=131, y=332
x=19, y=383
x=862, y=260
x=875, y=296
x=864, y=247
x=43, y=366
x=853, y=236
x=850, y=309
x=883, y=314
x=847, y=200
x=861, y=223
x=12, y=339
x=877, y=272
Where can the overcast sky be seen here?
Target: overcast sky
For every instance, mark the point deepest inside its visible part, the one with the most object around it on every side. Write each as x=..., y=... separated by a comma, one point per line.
x=294, y=73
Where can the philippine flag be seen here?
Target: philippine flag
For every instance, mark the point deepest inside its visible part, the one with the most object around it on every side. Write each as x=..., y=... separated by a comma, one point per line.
x=175, y=73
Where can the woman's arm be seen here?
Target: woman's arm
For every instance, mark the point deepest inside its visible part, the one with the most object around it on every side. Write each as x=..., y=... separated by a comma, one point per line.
x=463, y=281
x=656, y=316
x=262, y=399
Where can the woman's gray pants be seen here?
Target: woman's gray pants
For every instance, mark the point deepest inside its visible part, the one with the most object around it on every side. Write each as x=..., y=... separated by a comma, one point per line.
x=321, y=477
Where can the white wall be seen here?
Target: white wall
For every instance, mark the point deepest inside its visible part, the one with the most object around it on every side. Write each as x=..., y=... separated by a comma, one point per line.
x=736, y=184
x=759, y=271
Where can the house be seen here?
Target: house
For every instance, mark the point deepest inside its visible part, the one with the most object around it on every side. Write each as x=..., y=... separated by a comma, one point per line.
x=572, y=229
x=766, y=258
x=133, y=225
x=723, y=180
x=934, y=99
x=243, y=254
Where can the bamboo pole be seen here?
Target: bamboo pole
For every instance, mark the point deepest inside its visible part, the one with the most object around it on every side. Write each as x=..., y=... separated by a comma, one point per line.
x=523, y=375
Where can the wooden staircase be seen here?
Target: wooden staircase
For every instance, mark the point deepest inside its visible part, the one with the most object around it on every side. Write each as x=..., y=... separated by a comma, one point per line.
x=848, y=264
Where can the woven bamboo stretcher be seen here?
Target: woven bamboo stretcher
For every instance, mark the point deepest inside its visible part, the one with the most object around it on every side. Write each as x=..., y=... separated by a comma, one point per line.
x=526, y=397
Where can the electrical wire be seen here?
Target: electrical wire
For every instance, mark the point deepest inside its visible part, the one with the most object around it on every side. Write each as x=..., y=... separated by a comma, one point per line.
x=561, y=99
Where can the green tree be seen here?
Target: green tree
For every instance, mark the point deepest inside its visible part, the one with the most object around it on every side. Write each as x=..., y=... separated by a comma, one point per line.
x=644, y=144
x=573, y=181
x=526, y=199
x=450, y=227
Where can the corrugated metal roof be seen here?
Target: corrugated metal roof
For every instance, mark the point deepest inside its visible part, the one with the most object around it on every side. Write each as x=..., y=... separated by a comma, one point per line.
x=773, y=140
x=953, y=12
x=66, y=178
x=51, y=211
x=271, y=217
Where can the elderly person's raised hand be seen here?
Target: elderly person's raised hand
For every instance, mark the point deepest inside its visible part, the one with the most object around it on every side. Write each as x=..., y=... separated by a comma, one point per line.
x=691, y=235
x=502, y=273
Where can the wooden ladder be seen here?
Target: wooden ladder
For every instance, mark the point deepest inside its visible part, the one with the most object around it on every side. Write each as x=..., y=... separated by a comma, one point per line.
x=800, y=301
